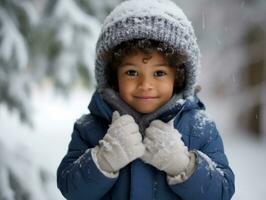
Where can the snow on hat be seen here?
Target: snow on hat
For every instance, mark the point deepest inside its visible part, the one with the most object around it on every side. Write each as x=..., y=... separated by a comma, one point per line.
x=159, y=20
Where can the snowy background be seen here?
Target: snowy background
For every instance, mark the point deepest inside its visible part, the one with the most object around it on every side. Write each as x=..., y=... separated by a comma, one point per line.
x=46, y=81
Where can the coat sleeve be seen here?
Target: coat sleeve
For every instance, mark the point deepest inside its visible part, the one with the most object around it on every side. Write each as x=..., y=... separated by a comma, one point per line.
x=78, y=178
x=212, y=178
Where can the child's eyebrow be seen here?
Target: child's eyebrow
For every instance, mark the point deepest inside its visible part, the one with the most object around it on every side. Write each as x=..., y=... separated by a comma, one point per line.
x=161, y=65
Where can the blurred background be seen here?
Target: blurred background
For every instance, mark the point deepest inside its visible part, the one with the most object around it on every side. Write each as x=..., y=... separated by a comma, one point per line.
x=46, y=81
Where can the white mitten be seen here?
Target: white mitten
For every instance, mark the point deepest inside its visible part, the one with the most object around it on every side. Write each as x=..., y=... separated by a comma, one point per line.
x=164, y=148
x=121, y=144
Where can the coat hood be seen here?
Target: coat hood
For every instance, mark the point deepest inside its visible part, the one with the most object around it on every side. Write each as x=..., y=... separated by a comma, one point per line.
x=159, y=20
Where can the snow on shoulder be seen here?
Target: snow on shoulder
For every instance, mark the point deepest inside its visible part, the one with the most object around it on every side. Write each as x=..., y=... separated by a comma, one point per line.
x=202, y=119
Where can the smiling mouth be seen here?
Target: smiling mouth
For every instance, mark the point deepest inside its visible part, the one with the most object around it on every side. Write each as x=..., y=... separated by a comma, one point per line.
x=145, y=97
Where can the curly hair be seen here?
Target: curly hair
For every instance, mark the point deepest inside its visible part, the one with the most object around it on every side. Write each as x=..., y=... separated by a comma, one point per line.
x=147, y=47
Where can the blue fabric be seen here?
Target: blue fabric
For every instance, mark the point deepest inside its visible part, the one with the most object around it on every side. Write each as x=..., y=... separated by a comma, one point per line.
x=78, y=177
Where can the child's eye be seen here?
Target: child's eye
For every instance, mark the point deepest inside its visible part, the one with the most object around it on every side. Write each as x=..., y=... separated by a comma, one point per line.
x=132, y=73
x=159, y=73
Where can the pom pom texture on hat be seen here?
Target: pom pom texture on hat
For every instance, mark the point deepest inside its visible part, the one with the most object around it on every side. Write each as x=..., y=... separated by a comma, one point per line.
x=159, y=20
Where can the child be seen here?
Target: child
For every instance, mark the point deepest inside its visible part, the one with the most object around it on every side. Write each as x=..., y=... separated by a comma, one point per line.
x=147, y=135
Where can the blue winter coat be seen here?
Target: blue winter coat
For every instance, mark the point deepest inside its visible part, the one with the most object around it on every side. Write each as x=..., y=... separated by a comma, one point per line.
x=78, y=177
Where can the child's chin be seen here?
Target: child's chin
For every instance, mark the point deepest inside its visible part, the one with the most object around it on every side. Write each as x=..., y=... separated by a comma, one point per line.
x=145, y=110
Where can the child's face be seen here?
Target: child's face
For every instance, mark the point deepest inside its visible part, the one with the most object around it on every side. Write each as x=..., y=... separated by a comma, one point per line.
x=145, y=85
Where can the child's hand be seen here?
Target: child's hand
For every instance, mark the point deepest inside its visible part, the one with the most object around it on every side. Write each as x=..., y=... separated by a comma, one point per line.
x=121, y=144
x=164, y=148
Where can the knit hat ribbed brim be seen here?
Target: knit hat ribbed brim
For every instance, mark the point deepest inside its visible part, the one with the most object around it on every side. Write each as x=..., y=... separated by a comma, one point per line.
x=159, y=20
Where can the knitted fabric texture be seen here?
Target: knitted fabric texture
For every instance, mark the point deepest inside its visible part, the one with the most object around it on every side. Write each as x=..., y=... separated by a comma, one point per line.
x=159, y=20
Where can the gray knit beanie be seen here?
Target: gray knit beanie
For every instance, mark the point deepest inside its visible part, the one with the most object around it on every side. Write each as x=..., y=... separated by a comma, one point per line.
x=159, y=20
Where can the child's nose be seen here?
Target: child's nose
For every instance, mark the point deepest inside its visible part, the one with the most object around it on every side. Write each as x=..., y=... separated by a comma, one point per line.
x=146, y=83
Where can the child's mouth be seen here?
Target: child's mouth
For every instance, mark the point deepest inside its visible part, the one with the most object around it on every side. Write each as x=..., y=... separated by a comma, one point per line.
x=145, y=98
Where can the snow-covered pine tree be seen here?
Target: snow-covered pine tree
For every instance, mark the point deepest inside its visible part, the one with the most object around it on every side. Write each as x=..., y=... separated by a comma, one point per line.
x=55, y=44
x=16, y=20
x=66, y=50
